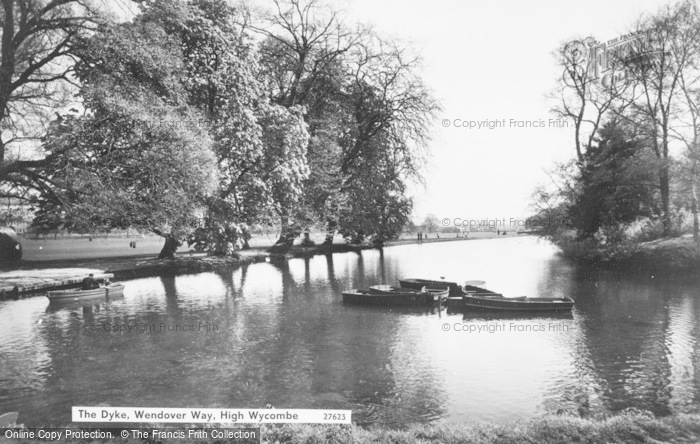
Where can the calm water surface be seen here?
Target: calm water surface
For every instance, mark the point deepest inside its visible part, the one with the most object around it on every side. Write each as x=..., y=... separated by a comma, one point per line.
x=283, y=337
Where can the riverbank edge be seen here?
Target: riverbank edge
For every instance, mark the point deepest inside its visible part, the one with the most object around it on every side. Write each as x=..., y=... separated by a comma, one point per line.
x=201, y=263
x=197, y=264
x=124, y=268
x=631, y=427
x=675, y=254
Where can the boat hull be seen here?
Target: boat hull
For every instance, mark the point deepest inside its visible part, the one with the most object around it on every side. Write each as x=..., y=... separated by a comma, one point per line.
x=110, y=291
x=388, y=296
x=477, y=298
x=506, y=304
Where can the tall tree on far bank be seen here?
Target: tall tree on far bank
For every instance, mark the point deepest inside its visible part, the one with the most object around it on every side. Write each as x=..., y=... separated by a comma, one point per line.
x=364, y=99
x=302, y=64
x=431, y=223
x=581, y=96
x=667, y=49
x=374, y=204
x=645, y=82
x=688, y=115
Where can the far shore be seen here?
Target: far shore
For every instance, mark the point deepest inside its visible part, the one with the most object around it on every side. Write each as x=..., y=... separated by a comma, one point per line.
x=145, y=265
x=48, y=249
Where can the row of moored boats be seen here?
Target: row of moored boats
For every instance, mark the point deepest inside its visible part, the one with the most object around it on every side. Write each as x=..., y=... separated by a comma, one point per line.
x=432, y=293
x=411, y=292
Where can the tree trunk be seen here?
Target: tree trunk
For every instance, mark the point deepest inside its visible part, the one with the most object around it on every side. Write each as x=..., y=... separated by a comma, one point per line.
x=331, y=229
x=357, y=238
x=245, y=236
x=694, y=194
x=287, y=236
x=665, y=198
x=694, y=206
x=307, y=242
x=170, y=247
x=696, y=223
x=328, y=241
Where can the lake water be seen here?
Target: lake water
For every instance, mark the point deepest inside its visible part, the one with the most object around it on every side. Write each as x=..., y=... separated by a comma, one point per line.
x=279, y=334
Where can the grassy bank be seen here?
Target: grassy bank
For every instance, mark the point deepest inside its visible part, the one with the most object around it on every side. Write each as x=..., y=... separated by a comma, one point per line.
x=666, y=254
x=635, y=427
x=631, y=428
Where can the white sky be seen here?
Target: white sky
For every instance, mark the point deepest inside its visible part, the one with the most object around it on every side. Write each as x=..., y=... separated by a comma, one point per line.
x=493, y=60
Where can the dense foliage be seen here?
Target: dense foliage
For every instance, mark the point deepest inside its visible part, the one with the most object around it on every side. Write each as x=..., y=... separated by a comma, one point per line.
x=200, y=121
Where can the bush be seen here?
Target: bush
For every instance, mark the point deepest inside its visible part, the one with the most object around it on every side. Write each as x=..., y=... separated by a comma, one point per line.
x=643, y=229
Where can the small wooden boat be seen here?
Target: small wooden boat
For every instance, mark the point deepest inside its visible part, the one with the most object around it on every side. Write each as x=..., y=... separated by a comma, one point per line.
x=109, y=291
x=510, y=304
x=387, y=295
x=475, y=297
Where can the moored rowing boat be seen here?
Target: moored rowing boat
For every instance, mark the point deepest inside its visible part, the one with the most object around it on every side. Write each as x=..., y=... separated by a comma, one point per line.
x=386, y=295
x=109, y=291
x=475, y=297
x=510, y=304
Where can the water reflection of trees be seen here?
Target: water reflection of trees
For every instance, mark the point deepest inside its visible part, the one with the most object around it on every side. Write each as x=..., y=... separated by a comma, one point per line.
x=332, y=356
x=628, y=330
x=304, y=349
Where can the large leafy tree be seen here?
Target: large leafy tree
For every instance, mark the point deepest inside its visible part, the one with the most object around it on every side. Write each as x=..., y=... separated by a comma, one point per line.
x=374, y=203
x=364, y=100
x=302, y=63
x=139, y=155
x=260, y=146
x=218, y=76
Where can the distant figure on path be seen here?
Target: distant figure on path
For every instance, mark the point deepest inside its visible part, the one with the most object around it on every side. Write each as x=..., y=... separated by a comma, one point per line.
x=498, y=232
x=89, y=283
